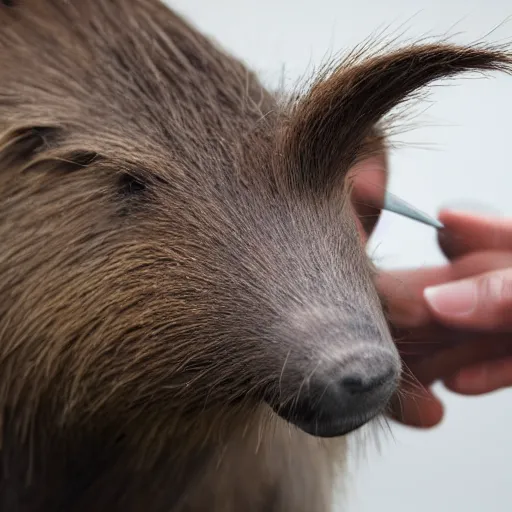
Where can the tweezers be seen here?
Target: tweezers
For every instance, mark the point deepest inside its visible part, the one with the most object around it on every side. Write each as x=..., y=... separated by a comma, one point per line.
x=397, y=205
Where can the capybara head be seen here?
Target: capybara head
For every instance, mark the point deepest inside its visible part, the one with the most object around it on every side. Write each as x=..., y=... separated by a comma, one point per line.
x=177, y=243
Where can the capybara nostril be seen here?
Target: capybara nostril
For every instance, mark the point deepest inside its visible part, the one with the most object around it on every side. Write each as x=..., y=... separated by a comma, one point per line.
x=363, y=385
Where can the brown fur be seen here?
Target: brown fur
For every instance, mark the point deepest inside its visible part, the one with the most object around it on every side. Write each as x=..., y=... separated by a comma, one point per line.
x=165, y=221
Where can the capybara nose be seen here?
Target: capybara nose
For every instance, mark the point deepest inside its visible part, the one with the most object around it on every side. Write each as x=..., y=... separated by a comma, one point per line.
x=339, y=400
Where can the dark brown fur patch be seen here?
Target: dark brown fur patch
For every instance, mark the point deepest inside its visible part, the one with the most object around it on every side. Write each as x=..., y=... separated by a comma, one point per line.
x=162, y=217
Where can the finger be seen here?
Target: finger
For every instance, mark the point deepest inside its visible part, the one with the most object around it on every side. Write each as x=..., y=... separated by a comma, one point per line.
x=483, y=302
x=402, y=293
x=417, y=406
x=369, y=179
x=420, y=409
x=480, y=262
x=482, y=378
x=402, y=290
x=449, y=361
x=465, y=232
x=415, y=345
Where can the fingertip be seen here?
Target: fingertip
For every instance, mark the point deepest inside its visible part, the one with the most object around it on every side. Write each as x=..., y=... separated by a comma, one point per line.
x=465, y=232
x=454, y=299
x=423, y=411
x=453, y=238
x=482, y=302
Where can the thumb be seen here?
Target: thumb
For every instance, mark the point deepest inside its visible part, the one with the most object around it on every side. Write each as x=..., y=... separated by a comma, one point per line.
x=483, y=302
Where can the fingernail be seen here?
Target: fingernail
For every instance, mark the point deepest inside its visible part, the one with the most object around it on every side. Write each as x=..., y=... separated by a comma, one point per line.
x=458, y=298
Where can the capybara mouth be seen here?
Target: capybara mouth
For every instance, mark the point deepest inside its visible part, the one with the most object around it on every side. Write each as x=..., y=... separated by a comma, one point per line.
x=341, y=406
x=327, y=427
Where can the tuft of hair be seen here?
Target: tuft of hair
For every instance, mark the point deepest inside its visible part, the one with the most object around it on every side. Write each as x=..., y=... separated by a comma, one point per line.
x=334, y=124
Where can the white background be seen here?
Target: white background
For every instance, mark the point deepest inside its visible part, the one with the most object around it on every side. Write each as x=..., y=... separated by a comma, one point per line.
x=465, y=464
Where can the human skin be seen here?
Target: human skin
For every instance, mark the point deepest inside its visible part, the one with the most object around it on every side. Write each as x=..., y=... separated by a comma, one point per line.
x=453, y=322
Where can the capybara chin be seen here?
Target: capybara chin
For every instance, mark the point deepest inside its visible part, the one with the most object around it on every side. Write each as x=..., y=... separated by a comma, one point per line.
x=188, y=319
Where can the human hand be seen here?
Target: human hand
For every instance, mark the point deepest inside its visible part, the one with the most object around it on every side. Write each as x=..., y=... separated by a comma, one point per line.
x=472, y=351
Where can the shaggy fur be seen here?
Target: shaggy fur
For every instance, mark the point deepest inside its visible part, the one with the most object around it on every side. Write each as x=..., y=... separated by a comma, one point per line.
x=169, y=232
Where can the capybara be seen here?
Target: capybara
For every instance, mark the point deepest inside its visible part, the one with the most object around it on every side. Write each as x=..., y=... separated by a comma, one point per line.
x=188, y=317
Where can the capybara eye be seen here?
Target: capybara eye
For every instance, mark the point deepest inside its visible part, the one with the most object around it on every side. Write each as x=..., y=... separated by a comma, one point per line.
x=81, y=159
x=130, y=185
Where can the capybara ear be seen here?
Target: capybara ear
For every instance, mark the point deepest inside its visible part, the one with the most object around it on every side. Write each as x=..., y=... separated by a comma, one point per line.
x=334, y=121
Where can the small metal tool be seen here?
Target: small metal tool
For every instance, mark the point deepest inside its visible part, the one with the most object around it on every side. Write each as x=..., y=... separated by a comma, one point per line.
x=394, y=204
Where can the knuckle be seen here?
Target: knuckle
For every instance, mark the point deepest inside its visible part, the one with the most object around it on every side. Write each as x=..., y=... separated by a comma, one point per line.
x=495, y=291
